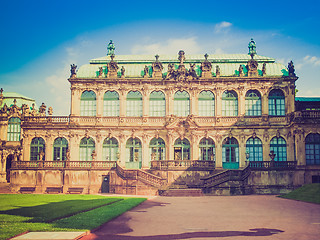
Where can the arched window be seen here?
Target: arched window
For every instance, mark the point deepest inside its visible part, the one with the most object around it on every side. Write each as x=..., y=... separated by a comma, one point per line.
x=254, y=148
x=182, y=149
x=157, y=149
x=279, y=146
x=88, y=103
x=313, y=149
x=206, y=104
x=14, y=129
x=207, y=149
x=110, y=149
x=181, y=104
x=157, y=104
x=87, y=148
x=60, y=146
x=37, y=149
x=134, y=104
x=276, y=103
x=230, y=153
x=111, y=104
x=253, y=103
x=134, y=150
x=229, y=103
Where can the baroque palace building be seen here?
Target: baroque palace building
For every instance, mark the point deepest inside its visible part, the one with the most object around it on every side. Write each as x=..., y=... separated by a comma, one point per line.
x=217, y=124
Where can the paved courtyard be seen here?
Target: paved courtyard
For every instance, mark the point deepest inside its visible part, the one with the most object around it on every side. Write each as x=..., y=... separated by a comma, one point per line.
x=216, y=217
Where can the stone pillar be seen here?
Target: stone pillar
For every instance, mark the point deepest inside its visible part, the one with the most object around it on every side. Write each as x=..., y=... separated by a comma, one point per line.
x=98, y=149
x=218, y=156
x=290, y=149
x=219, y=103
x=193, y=104
x=123, y=106
x=145, y=153
x=145, y=105
x=194, y=148
x=75, y=101
x=264, y=105
x=242, y=153
x=74, y=148
x=170, y=148
x=300, y=149
x=49, y=149
x=169, y=102
x=122, y=151
x=242, y=103
x=99, y=111
x=3, y=130
x=265, y=149
x=26, y=148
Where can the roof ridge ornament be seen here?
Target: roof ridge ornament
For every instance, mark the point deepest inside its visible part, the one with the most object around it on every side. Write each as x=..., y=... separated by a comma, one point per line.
x=110, y=48
x=252, y=48
x=291, y=69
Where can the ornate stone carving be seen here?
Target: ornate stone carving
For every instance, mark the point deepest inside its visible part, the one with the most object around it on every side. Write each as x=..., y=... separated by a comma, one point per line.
x=264, y=69
x=252, y=67
x=206, y=67
x=157, y=68
x=100, y=72
x=123, y=70
x=42, y=109
x=112, y=68
x=111, y=48
x=240, y=71
x=217, y=71
x=73, y=71
x=146, y=71
x=291, y=69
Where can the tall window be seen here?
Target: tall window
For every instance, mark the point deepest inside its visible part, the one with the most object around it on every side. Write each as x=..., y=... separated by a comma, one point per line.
x=276, y=103
x=60, y=146
x=207, y=149
x=87, y=146
x=37, y=149
x=279, y=146
x=111, y=104
x=134, y=104
x=313, y=149
x=14, y=129
x=229, y=103
x=181, y=104
x=254, y=148
x=230, y=150
x=206, y=104
x=182, y=149
x=134, y=150
x=157, y=104
x=157, y=149
x=253, y=103
x=88, y=103
x=110, y=149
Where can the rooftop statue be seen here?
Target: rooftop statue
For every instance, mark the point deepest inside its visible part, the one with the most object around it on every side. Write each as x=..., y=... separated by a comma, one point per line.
x=291, y=69
x=73, y=70
x=110, y=48
x=252, y=48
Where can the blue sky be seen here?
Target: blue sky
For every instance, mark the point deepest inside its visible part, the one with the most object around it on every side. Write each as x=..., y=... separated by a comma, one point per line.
x=40, y=39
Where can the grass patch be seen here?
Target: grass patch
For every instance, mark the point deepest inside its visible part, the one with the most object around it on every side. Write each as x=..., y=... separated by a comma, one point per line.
x=307, y=193
x=36, y=212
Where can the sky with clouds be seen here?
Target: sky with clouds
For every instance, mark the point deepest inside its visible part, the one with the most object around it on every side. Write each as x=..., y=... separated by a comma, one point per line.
x=40, y=39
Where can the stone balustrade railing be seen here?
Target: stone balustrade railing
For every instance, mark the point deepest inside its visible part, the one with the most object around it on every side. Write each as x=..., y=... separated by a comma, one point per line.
x=182, y=165
x=63, y=164
x=270, y=165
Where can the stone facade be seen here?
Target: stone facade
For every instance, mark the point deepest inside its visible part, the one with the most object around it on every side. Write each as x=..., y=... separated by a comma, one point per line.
x=135, y=170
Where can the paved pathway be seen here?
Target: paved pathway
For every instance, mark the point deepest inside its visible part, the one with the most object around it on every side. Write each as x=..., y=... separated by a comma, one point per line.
x=216, y=217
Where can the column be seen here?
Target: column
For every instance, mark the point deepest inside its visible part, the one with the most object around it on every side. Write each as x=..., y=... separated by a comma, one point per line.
x=193, y=104
x=74, y=148
x=49, y=149
x=169, y=102
x=99, y=106
x=265, y=148
x=219, y=103
x=75, y=101
x=290, y=149
x=265, y=104
x=170, y=147
x=218, y=157
x=145, y=105
x=122, y=148
x=145, y=153
x=98, y=149
x=122, y=99
x=242, y=103
x=300, y=150
x=242, y=153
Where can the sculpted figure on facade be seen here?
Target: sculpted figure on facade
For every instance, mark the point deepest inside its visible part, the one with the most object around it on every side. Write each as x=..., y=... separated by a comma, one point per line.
x=240, y=71
x=157, y=68
x=146, y=71
x=112, y=68
x=264, y=69
x=252, y=67
x=73, y=71
x=291, y=69
x=123, y=70
x=42, y=109
x=50, y=111
x=206, y=67
x=217, y=71
x=192, y=73
x=100, y=72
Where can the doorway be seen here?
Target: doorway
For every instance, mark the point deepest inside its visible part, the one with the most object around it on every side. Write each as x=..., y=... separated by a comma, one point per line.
x=8, y=167
x=105, y=184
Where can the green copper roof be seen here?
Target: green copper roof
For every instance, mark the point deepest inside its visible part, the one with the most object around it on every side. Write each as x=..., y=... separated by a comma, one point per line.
x=228, y=63
x=308, y=99
x=8, y=98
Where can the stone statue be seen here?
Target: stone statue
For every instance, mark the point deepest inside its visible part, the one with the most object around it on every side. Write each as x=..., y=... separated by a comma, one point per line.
x=41, y=156
x=252, y=48
x=68, y=154
x=264, y=69
x=33, y=111
x=73, y=70
x=146, y=71
x=240, y=71
x=50, y=111
x=123, y=70
x=93, y=155
x=110, y=48
x=291, y=69
x=181, y=57
x=170, y=71
x=157, y=68
x=206, y=67
x=192, y=72
x=100, y=72
x=42, y=109
x=217, y=71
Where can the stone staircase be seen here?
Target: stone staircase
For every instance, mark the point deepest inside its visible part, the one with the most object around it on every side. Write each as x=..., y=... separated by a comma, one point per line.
x=5, y=188
x=182, y=192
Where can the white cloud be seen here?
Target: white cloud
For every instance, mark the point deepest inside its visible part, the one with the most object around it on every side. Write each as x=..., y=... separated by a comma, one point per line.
x=312, y=60
x=222, y=26
x=171, y=46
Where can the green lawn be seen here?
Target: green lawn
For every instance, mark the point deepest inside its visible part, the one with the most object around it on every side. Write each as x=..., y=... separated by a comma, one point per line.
x=307, y=193
x=37, y=212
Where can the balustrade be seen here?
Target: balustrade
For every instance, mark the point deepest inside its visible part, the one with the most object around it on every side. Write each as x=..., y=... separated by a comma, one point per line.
x=182, y=165
x=270, y=165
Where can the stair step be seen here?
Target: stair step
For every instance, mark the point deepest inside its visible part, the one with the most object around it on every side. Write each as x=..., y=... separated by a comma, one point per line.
x=188, y=192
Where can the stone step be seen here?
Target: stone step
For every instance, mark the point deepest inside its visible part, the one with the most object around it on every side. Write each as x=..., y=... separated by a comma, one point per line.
x=188, y=192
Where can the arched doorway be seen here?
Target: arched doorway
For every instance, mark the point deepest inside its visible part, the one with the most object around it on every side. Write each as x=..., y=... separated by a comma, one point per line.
x=8, y=167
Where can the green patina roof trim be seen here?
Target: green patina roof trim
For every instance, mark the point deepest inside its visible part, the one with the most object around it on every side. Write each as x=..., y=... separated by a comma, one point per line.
x=307, y=99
